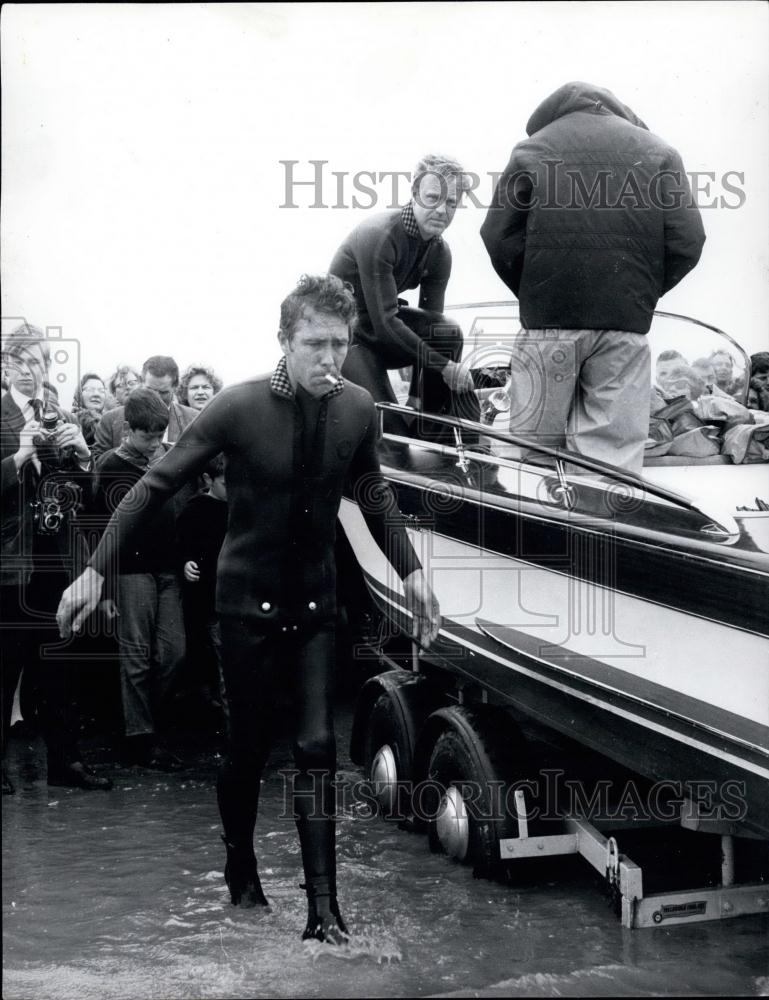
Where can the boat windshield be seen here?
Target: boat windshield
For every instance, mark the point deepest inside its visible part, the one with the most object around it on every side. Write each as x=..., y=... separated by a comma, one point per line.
x=681, y=349
x=679, y=346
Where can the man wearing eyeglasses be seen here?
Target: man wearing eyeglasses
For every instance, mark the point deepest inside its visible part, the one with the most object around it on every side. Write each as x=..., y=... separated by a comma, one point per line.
x=392, y=252
x=160, y=373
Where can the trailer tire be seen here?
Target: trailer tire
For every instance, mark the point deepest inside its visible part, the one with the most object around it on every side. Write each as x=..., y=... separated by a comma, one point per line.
x=469, y=801
x=388, y=756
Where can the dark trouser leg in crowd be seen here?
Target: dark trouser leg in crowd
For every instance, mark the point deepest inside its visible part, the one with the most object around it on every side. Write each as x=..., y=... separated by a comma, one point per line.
x=150, y=630
x=28, y=626
x=11, y=666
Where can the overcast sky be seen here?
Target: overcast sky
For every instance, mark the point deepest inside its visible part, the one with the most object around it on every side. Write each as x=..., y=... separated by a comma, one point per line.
x=142, y=149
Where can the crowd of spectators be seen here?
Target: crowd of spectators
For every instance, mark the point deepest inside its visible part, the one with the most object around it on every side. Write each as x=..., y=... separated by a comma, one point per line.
x=158, y=632
x=161, y=609
x=705, y=410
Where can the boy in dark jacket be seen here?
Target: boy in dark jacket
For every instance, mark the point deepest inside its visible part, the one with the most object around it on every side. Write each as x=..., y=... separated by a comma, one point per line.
x=150, y=625
x=201, y=528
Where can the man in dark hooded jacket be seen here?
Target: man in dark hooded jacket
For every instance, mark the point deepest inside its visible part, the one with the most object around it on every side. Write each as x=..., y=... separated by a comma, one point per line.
x=591, y=222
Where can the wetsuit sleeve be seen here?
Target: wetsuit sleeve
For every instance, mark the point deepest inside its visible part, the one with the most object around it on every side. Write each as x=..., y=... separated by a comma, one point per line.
x=376, y=262
x=378, y=505
x=200, y=441
x=684, y=232
x=504, y=229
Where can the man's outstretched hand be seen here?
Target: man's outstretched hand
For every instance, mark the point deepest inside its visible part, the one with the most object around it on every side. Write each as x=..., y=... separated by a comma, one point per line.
x=78, y=601
x=422, y=603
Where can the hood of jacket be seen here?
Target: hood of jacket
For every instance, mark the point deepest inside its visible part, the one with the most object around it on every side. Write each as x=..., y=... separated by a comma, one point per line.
x=579, y=96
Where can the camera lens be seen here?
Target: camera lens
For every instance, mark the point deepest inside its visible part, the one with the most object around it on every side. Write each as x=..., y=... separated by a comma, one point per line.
x=51, y=521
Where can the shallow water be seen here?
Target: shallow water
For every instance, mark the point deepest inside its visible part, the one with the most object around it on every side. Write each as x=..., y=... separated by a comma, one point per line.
x=121, y=894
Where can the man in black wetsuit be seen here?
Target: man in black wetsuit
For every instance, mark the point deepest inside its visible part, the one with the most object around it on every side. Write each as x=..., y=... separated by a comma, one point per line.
x=387, y=254
x=290, y=441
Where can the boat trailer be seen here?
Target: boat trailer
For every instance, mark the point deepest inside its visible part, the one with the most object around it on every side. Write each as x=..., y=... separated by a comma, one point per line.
x=624, y=878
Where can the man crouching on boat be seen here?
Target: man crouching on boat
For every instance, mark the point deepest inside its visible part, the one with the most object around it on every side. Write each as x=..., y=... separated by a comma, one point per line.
x=385, y=255
x=290, y=440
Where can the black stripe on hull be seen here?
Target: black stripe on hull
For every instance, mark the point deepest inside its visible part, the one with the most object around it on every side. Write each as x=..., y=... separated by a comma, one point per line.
x=725, y=731
x=723, y=592
x=628, y=738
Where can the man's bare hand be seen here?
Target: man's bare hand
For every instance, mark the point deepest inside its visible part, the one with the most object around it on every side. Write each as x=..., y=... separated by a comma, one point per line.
x=191, y=571
x=109, y=609
x=422, y=603
x=78, y=601
x=457, y=377
x=26, y=451
x=71, y=436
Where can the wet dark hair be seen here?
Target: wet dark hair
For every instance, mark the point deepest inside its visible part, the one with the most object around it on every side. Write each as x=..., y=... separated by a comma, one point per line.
x=146, y=411
x=160, y=365
x=325, y=293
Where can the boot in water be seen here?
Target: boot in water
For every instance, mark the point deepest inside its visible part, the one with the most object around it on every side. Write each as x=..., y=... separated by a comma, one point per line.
x=324, y=921
x=242, y=878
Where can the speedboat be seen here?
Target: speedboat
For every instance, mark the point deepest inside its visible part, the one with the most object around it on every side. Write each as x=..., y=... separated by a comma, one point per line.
x=626, y=613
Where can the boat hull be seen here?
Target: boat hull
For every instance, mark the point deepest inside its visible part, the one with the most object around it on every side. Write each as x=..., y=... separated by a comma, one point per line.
x=548, y=618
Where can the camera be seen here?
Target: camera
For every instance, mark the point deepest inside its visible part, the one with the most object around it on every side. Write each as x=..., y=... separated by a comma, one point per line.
x=48, y=452
x=55, y=499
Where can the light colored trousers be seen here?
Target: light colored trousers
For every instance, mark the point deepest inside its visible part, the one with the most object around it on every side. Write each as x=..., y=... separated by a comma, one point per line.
x=150, y=631
x=587, y=390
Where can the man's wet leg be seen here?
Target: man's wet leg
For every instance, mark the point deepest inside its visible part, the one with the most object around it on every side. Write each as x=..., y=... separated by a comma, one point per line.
x=250, y=692
x=314, y=799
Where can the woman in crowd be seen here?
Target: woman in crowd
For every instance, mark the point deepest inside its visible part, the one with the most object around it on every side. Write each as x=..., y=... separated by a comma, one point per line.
x=89, y=403
x=198, y=386
x=122, y=383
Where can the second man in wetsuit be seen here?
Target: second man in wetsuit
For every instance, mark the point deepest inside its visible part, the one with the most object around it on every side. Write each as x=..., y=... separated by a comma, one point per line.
x=387, y=254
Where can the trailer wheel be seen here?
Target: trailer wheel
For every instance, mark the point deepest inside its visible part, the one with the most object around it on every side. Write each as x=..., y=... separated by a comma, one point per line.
x=469, y=817
x=388, y=756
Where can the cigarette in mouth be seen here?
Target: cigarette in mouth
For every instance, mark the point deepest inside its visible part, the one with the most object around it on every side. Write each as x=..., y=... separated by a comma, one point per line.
x=331, y=379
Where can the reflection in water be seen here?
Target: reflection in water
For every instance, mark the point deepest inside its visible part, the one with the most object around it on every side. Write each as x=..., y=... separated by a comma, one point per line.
x=118, y=895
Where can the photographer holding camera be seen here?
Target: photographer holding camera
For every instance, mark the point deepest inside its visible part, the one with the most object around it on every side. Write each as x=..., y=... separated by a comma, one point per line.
x=46, y=468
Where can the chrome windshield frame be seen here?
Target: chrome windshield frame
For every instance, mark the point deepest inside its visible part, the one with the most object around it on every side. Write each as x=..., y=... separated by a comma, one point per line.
x=721, y=523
